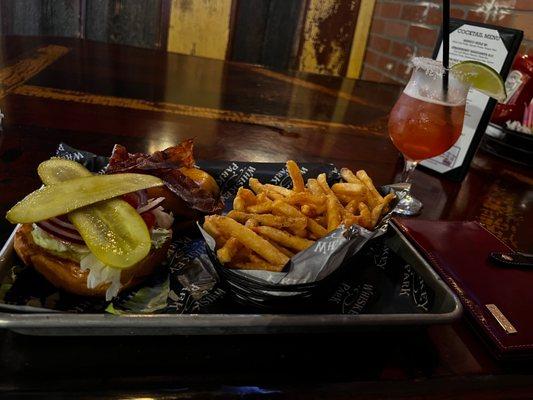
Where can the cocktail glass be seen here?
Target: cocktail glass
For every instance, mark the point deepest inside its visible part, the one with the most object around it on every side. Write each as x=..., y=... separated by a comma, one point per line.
x=426, y=121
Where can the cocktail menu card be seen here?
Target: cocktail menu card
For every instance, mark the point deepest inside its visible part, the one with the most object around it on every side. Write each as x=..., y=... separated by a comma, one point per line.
x=491, y=45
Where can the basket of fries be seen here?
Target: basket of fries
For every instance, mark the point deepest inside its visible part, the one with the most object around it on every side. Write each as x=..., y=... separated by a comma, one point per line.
x=282, y=245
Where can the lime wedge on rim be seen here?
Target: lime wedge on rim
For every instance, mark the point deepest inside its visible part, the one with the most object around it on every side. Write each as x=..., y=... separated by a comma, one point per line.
x=481, y=77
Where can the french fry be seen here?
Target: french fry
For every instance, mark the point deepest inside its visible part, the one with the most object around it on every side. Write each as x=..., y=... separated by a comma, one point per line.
x=349, y=219
x=278, y=189
x=333, y=212
x=228, y=251
x=243, y=254
x=247, y=195
x=251, y=240
x=352, y=206
x=272, y=195
x=323, y=182
x=239, y=203
x=365, y=216
x=284, y=250
x=263, y=206
x=281, y=208
x=259, y=188
x=251, y=223
x=256, y=186
x=211, y=228
x=322, y=221
x=349, y=189
x=378, y=210
x=345, y=199
x=314, y=187
x=387, y=199
x=363, y=177
x=312, y=210
x=306, y=198
x=376, y=213
x=349, y=176
x=296, y=176
x=297, y=223
x=283, y=238
x=316, y=229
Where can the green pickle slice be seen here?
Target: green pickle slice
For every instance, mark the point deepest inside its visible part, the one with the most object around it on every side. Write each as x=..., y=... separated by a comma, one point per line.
x=112, y=229
x=63, y=197
x=114, y=232
x=58, y=170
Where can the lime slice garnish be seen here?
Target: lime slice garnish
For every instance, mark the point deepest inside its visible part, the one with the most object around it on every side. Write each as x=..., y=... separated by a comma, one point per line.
x=482, y=78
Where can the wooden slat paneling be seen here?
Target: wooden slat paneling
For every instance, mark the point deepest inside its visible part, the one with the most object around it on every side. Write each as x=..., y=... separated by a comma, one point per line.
x=327, y=36
x=283, y=32
x=200, y=27
x=249, y=30
x=266, y=31
x=61, y=18
x=41, y=17
x=131, y=22
x=21, y=17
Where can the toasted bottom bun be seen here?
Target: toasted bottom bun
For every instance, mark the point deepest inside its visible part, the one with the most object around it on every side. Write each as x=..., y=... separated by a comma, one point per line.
x=67, y=275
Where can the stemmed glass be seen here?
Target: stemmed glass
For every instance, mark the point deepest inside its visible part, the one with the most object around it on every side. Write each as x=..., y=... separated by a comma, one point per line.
x=426, y=121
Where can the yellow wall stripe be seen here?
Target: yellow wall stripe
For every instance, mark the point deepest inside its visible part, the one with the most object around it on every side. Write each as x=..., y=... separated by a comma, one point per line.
x=360, y=38
x=200, y=27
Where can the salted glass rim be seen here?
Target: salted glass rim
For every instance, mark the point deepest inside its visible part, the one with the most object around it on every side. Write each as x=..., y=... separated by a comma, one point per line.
x=429, y=65
x=434, y=71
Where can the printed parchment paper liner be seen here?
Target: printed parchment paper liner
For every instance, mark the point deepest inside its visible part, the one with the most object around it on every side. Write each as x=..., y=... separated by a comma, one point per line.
x=374, y=280
x=305, y=271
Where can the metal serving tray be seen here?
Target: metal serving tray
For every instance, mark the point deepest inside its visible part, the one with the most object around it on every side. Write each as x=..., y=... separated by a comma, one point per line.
x=25, y=320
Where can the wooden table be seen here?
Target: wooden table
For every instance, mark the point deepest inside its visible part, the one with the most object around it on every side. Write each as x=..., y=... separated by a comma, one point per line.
x=92, y=95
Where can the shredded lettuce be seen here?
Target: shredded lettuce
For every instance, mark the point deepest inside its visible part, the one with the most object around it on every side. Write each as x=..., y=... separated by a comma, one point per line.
x=147, y=300
x=159, y=237
x=99, y=273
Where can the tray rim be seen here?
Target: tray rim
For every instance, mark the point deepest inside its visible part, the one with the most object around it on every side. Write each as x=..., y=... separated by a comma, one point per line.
x=69, y=324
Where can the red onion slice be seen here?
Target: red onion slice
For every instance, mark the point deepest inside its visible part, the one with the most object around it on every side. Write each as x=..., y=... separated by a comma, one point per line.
x=63, y=224
x=60, y=233
x=143, y=197
x=151, y=205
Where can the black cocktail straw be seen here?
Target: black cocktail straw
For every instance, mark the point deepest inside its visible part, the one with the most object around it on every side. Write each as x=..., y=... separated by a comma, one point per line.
x=445, y=44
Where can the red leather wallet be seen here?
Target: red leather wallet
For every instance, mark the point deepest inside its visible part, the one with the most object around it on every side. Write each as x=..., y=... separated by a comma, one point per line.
x=499, y=300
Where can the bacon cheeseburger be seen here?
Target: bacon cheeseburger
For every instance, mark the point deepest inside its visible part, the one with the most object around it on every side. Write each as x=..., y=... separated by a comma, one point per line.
x=95, y=235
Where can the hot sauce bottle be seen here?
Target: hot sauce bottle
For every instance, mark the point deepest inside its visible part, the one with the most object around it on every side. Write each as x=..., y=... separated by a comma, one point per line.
x=519, y=87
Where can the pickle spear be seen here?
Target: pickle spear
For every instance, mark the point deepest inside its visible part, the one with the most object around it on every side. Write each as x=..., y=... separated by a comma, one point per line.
x=63, y=197
x=58, y=170
x=112, y=229
x=114, y=232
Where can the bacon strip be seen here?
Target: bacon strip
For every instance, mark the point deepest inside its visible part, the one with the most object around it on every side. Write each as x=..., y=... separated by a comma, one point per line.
x=164, y=164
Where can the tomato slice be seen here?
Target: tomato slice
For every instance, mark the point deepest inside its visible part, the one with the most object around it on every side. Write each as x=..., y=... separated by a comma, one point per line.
x=149, y=219
x=132, y=199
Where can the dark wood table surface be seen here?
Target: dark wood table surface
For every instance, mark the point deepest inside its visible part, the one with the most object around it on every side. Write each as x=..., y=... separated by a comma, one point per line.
x=93, y=95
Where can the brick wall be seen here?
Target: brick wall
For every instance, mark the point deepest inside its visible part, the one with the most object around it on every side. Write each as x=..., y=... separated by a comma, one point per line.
x=402, y=29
